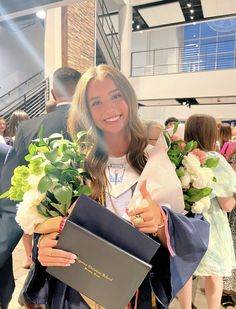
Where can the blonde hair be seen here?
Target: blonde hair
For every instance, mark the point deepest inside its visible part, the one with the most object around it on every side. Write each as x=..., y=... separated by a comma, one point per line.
x=80, y=118
x=202, y=129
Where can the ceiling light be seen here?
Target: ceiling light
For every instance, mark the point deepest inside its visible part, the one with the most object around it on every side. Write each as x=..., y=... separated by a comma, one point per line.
x=189, y=5
x=192, y=17
x=41, y=14
x=132, y=21
x=138, y=27
x=192, y=11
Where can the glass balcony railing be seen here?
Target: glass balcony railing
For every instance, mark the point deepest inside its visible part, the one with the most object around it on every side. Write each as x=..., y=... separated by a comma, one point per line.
x=189, y=58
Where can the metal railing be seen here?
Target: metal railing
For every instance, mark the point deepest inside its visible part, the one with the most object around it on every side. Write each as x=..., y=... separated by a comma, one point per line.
x=26, y=83
x=104, y=20
x=189, y=58
x=32, y=102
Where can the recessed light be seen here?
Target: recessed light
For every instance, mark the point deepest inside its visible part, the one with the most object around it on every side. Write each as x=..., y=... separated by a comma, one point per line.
x=192, y=17
x=41, y=14
x=192, y=11
x=189, y=5
x=138, y=27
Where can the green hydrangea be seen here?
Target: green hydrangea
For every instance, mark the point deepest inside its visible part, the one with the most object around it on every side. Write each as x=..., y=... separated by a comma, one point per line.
x=19, y=183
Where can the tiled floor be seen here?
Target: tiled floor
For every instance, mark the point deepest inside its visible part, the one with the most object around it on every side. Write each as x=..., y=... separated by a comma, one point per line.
x=20, y=275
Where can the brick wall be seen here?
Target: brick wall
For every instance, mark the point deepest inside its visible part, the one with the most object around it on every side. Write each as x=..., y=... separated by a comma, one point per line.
x=78, y=35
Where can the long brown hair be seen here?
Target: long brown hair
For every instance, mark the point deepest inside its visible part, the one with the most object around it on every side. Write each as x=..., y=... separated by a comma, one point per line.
x=15, y=119
x=202, y=129
x=225, y=134
x=80, y=118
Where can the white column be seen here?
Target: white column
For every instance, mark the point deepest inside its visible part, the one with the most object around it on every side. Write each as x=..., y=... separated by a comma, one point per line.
x=53, y=41
x=125, y=30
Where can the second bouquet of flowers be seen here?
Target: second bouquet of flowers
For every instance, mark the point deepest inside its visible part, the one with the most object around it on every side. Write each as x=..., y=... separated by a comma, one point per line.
x=195, y=171
x=50, y=184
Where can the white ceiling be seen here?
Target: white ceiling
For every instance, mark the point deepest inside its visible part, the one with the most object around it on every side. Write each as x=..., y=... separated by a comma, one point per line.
x=213, y=8
x=162, y=14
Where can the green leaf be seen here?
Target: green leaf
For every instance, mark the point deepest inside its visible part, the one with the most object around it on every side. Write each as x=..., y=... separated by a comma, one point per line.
x=195, y=195
x=59, y=207
x=180, y=172
x=44, y=184
x=51, y=155
x=51, y=170
x=53, y=213
x=4, y=195
x=43, y=210
x=60, y=165
x=41, y=139
x=167, y=138
x=63, y=194
x=81, y=134
x=189, y=147
x=175, y=128
x=212, y=162
x=56, y=136
x=32, y=149
x=84, y=189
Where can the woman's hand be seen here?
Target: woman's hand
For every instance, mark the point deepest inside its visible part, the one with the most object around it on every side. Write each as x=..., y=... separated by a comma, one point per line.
x=148, y=213
x=49, y=256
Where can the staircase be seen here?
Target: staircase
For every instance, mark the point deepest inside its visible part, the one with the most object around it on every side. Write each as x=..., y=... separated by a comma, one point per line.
x=31, y=101
x=108, y=44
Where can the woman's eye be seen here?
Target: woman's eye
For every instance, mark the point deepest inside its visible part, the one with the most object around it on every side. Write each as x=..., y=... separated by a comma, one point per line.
x=116, y=96
x=95, y=103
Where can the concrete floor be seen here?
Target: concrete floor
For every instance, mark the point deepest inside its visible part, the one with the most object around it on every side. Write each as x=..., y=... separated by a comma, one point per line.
x=20, y=275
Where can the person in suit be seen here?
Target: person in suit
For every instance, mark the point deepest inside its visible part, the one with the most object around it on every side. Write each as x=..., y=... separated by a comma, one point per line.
x=10, y=230
x=64, y=84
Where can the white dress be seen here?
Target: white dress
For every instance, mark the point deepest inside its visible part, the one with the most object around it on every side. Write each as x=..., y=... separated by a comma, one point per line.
x=219, y=259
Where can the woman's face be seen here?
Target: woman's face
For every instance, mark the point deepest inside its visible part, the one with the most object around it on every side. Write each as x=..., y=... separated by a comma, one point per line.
x=2, y=126
x=107, y=106
x=153, y=135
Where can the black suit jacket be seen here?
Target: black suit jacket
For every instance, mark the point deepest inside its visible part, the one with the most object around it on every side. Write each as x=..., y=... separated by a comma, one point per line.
x=10, y=232
x=54, y=122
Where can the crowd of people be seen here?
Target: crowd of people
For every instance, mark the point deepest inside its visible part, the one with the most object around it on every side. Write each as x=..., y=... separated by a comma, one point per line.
x=103, y=102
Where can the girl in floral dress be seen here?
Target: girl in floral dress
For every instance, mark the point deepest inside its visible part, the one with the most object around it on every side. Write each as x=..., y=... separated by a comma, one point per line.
x=219, y=260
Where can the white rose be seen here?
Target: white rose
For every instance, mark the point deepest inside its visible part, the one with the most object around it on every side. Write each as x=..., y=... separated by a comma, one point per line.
x=191, y=163
x=202, y=178
x=185, y=181
x=202, y=205
x=27, y=214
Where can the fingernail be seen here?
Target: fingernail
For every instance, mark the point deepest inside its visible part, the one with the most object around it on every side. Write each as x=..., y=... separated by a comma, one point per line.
x=72, y=261
x=73, y=257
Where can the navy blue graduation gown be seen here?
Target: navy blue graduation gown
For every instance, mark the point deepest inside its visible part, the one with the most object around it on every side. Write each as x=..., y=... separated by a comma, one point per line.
x=189, y=240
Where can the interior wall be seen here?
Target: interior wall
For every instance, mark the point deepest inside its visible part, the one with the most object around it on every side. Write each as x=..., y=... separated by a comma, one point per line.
x=161, y=113
x=186, y=85
x=21, y=54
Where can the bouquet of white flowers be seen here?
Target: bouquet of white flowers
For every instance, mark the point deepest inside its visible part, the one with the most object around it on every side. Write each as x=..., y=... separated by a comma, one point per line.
x=194, y=170
x=50, y=184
